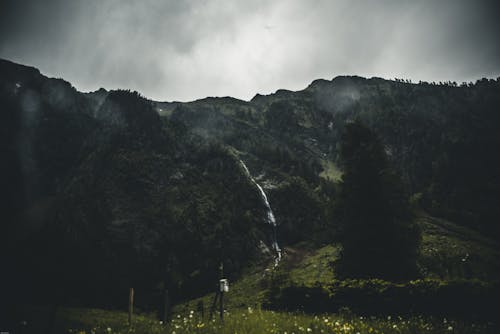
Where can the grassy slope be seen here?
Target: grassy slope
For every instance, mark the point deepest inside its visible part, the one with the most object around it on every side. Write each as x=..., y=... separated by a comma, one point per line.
x=448, y=251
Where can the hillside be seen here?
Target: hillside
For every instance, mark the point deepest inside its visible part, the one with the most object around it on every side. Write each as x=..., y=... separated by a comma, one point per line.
x=109, y=190
x=462, y=254
x=448, y=252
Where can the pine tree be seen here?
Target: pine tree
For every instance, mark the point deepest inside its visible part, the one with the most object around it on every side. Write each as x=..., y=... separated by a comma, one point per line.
x=379, y=237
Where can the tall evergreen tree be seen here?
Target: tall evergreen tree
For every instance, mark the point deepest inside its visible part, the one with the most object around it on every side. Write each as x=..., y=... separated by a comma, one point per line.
x=379, y=237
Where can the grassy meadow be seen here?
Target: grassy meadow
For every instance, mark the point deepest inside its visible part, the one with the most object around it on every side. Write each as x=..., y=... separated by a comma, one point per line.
x=92, y=321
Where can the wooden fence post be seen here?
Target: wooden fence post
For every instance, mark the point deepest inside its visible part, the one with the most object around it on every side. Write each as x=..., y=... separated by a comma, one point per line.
x=222, y=306
x=130, y=306
x=166, y=305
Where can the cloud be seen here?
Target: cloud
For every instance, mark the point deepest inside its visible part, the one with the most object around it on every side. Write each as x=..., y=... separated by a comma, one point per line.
x=183, y=50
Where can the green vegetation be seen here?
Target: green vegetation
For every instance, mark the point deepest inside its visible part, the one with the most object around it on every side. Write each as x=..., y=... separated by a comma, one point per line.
x=104, y=191
x=330, y=171
x=450, y=251
x=257, y=321
x=310, y=268
x=379, y=238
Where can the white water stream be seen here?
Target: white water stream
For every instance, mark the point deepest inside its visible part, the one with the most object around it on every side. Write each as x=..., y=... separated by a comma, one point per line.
x=270, y=216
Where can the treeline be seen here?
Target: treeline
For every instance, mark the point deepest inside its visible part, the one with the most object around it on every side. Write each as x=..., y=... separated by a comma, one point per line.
x=442, y=141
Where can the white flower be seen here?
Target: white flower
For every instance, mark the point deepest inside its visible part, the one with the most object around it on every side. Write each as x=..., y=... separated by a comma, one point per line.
x=450, y=328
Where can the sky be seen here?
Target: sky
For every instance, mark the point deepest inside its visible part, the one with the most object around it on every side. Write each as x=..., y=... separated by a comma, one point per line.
x=188, y=49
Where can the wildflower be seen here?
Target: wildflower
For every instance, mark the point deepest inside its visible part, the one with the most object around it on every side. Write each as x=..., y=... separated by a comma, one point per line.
x=394, y=326
x=161, y=322
x=108, y=329
x=309, y=330
x=450, y=328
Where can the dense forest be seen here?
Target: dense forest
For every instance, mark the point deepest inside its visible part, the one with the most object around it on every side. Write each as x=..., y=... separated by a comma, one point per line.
x=108, y=189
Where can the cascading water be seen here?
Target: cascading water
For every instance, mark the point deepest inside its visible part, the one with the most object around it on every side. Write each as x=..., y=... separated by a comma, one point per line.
x=270, y=216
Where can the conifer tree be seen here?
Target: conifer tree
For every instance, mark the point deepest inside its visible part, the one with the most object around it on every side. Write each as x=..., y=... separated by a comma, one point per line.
x=379, y=236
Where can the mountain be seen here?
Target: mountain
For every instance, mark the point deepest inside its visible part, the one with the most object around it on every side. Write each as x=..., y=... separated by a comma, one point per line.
x=442, y=138
x=99, y=183
x=107, y=190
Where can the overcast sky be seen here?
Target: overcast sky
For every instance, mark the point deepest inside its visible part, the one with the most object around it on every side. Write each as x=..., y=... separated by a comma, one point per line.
x=184, y=50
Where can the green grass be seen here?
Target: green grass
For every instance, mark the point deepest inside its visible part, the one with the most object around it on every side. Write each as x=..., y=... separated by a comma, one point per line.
x=301, y=266
x=448, y=252
x=315, y=267
x=330, y=171
x=259, y=321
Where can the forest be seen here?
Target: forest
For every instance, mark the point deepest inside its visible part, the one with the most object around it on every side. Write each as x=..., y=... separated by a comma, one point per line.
x=353, y=205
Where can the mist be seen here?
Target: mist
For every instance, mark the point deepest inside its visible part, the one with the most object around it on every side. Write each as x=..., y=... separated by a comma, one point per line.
x=184, y=50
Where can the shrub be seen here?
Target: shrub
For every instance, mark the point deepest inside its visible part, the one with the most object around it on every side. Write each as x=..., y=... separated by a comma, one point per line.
x=464, y=298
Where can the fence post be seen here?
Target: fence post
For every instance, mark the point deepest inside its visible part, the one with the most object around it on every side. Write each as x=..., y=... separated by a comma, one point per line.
x=130, y=305
x=166, y=305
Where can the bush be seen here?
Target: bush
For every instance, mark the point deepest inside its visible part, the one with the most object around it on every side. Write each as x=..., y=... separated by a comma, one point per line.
x=464, y=298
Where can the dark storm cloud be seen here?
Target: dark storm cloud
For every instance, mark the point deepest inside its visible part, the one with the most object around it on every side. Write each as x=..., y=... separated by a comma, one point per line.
x=189, y=49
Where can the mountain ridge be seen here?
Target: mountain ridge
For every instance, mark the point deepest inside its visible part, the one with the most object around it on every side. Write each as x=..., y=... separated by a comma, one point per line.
x=152, y=194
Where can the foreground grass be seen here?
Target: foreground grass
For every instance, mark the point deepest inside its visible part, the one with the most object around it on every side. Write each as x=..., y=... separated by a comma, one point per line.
x=86, y=321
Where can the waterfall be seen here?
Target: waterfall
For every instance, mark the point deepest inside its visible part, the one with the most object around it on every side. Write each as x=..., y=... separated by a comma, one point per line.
x=271, y=220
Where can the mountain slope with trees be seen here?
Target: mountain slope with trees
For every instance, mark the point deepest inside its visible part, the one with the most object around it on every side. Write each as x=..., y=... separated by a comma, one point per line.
x=154, y=194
